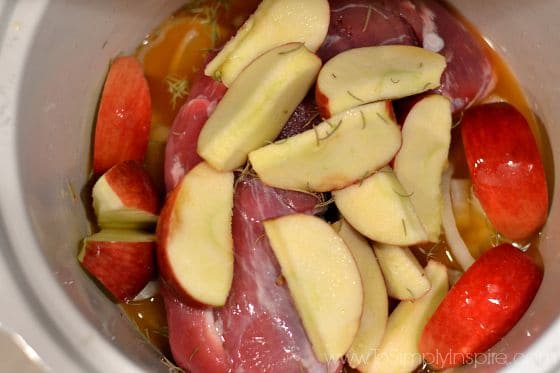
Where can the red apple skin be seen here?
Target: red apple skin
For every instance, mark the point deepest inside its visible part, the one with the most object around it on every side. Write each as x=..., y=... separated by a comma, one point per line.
x=133, y=186
x=123, y=268
x=481, y=308
x=322, y=103
x=122, y=130
x=506, y=169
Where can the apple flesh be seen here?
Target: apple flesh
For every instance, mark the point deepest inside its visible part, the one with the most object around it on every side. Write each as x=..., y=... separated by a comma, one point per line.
x=257, y=106
x=334, y=154
x=404, y=276
x=506, y=169
x=362, y=75
x=122, y=130
x=274, y=23
x=323, y=279
x=122, y=261
x=375, y=312
x=399, y=349
x=125, y=197
x=195, y=245
x=485, y=303
x=379, y=208
x=422, y=158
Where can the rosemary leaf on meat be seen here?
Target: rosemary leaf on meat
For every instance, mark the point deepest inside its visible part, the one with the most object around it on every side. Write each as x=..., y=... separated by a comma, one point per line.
x=368, y=17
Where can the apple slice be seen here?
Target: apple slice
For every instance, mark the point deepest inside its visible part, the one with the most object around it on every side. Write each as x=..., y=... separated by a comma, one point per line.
x=195, y=245
x=257, y=106
x=369, y=74
x=506, y=169
x=422, y=158
x=379, y=208
x=323, y=279
x=274, y=23
x=376, y=308
x=399, y=349
x=122, y=261
x=122, y=130
x=404, y=276
x=486, y=302
x=333, y=155
x=125, y=197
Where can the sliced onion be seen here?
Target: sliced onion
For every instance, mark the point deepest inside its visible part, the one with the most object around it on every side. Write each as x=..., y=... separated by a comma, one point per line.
x=456, y=244
x=151, y=289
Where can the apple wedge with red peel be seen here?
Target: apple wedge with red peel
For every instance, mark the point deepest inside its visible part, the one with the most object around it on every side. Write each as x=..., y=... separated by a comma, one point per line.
x=125, y=197
x=334, y=154
x=375, y=312
x=122, y=261
x=379, y=208
x=485, y=303
x=369, y=74
x=422, y=159
x=506, y=169
x=257, y=106
x=123, y=122
x=404, y=276
x=399, y=351
x=194, y=237
x=274, y=23
x=323, y=279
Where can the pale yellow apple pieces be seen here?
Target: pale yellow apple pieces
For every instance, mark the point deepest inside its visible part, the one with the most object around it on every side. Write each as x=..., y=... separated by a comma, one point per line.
x=404, y=276
x=323, y=279
x=195, y=245
x=333, y=155
x=379, y=208
x=257, y=105
x=274, y=23
x=375, y=312
x=125, y=198
x=422, y=159
x=399, y=349
x=369, y=74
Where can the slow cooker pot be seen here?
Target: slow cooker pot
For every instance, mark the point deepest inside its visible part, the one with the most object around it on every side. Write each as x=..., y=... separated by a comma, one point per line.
x=53, y=56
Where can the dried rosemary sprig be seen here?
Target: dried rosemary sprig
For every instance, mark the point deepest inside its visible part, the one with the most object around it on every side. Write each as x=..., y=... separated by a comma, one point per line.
x=178, y=88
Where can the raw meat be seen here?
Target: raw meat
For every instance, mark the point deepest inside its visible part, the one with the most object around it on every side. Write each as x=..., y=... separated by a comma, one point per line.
x=180, y=151
x=194, y=339
x=360, y=23
x=262, y=330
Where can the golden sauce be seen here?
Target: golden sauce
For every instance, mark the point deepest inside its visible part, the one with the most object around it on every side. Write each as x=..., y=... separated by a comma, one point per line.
x=178, y=49
x=149, y=317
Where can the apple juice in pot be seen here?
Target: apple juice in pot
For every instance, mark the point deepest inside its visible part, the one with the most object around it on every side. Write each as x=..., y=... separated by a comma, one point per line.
x=173, y=59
